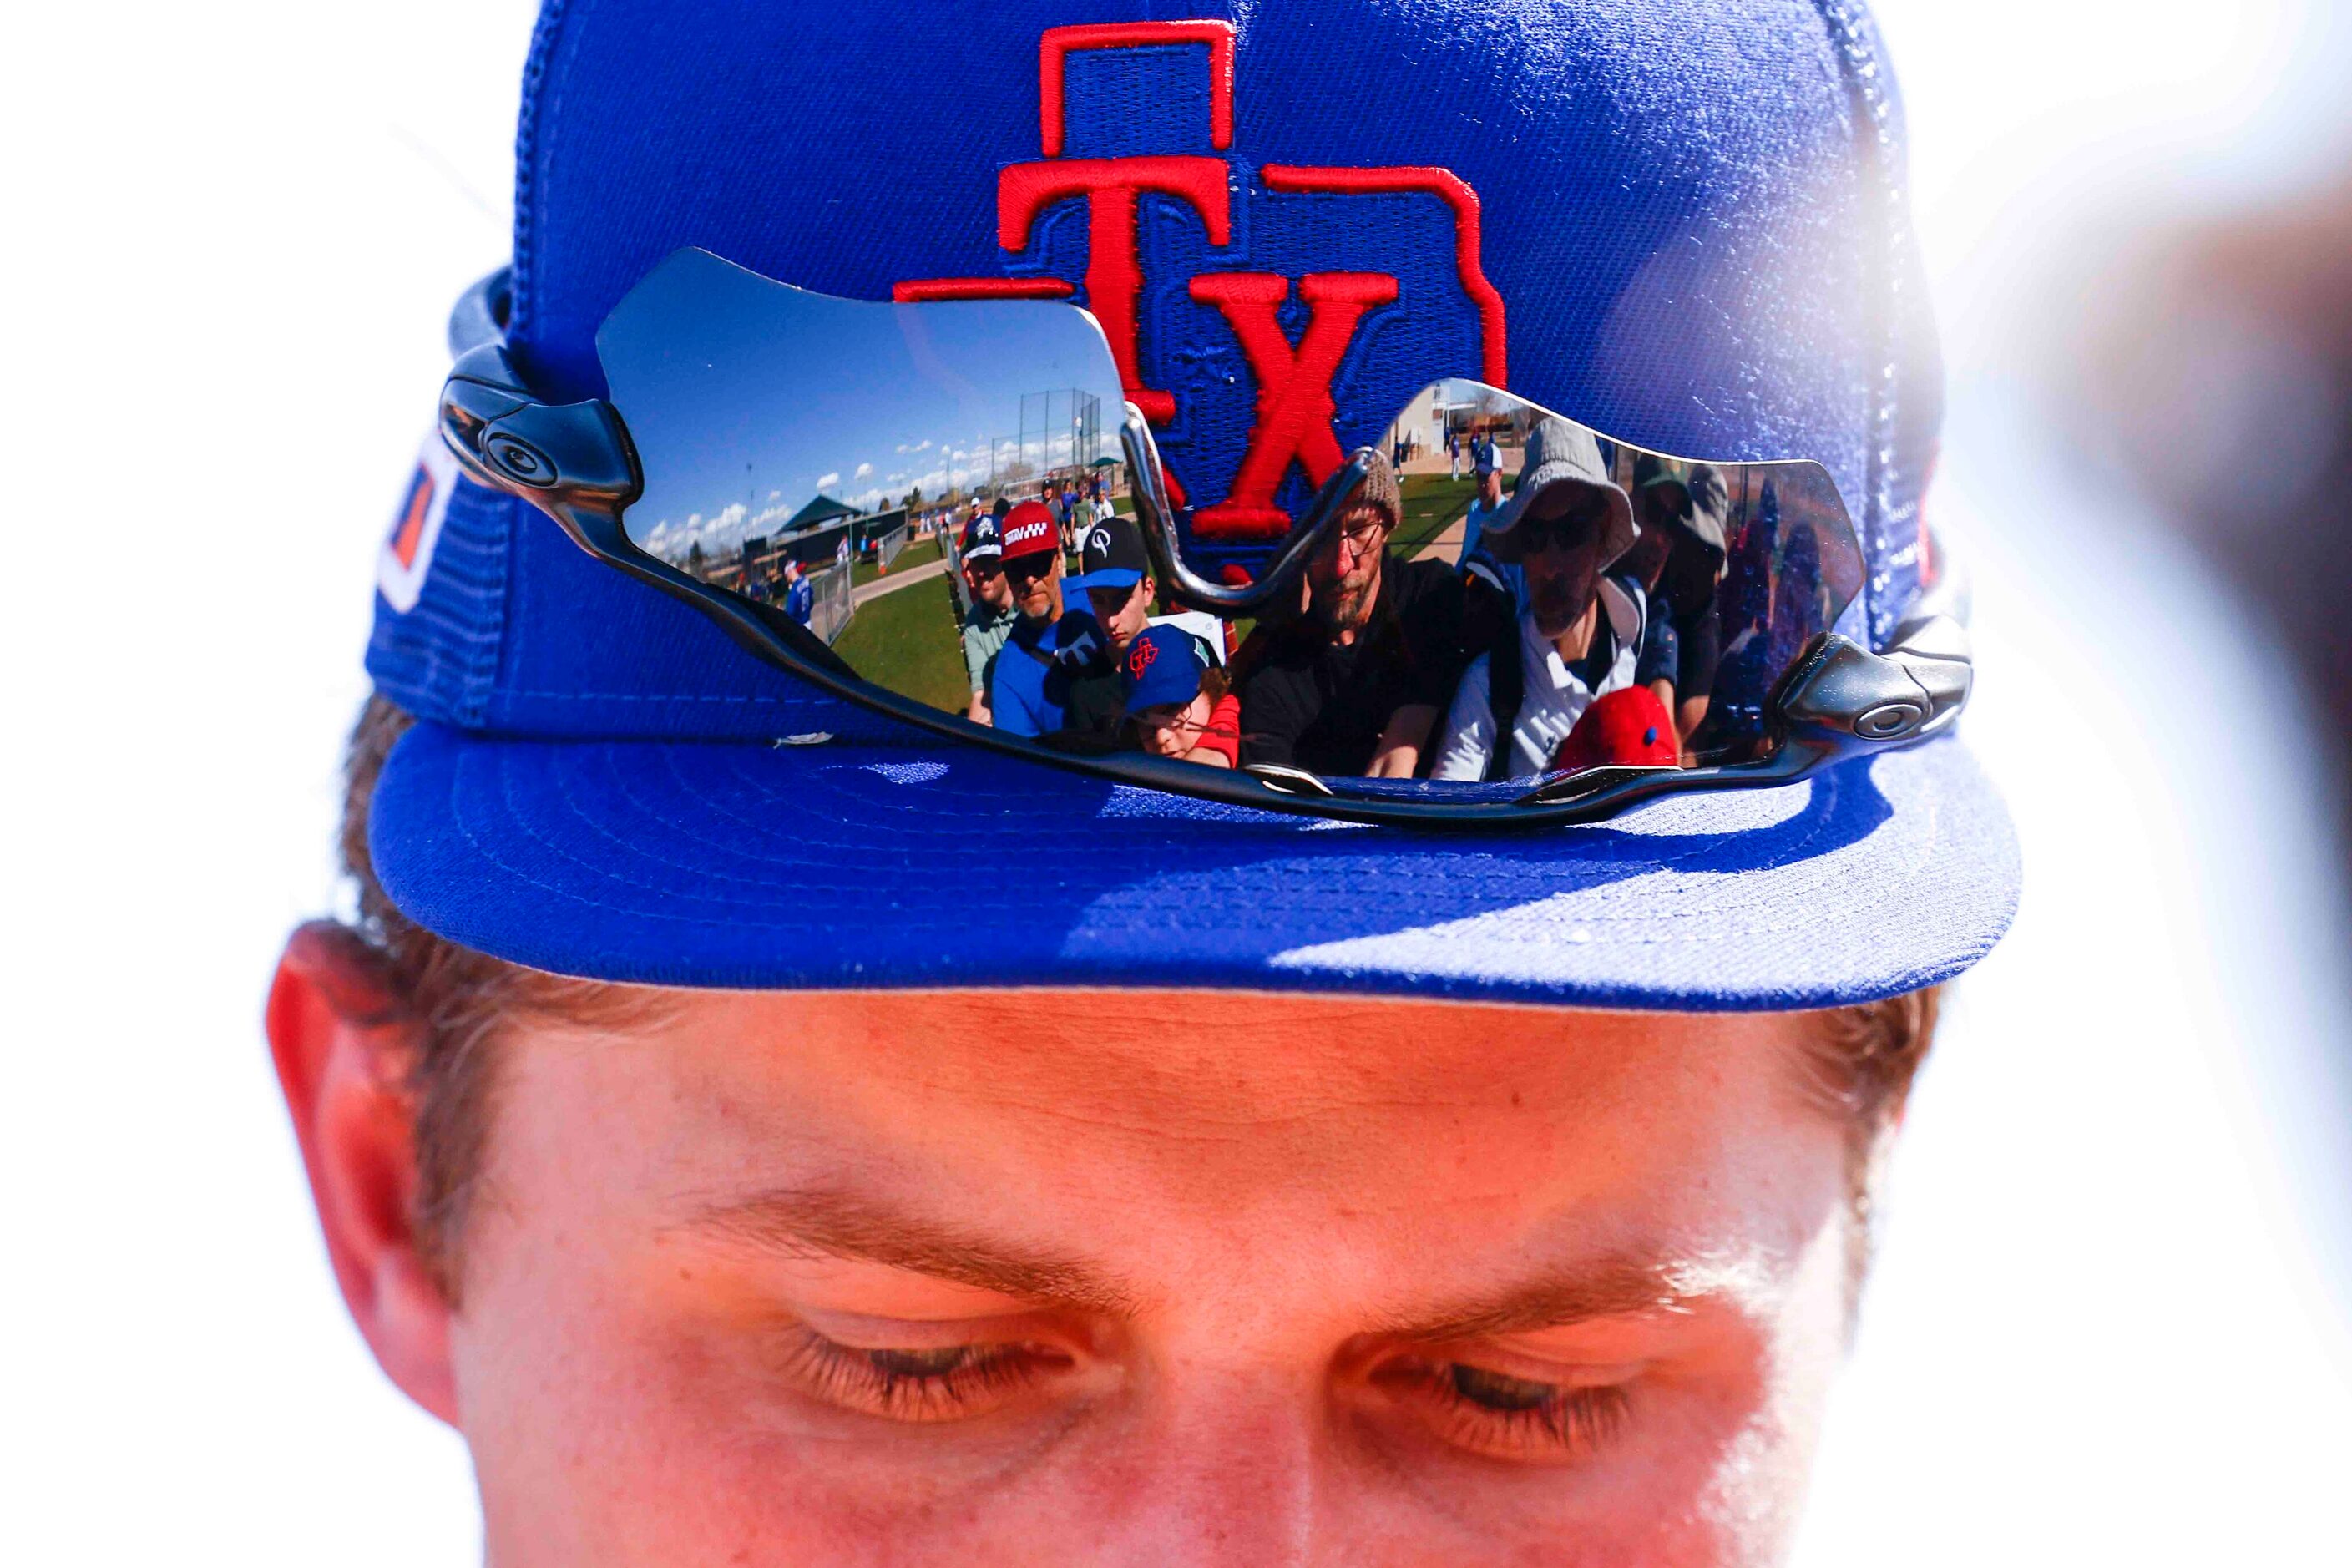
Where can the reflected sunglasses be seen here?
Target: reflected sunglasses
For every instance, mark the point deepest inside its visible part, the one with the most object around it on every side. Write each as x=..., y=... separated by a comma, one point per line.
x=752, y=426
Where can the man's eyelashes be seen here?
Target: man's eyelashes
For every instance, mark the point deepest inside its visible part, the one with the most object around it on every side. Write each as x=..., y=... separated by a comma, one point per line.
x=1472, y=1407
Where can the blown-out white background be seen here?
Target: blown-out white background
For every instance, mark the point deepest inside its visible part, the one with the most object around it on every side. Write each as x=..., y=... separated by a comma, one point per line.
x=2110, y=1323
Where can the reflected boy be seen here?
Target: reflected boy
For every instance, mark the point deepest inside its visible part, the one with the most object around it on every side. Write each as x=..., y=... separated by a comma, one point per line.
x=1116, y=576
x=800, y=594
x=1178, y=701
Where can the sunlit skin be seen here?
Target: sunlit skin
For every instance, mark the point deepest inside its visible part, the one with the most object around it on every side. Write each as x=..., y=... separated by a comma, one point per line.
x=1343, y=576
x=1562, y=556
x=1123, y=612
x=1647, y=561
x=1122, y=1277
x=1035, y=584
x=1176, y=730
x=986, y=581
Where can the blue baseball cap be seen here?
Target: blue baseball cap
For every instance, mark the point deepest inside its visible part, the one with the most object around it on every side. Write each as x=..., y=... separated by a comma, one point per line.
x=1693, y=237
x=1163, y=666
x=1112, y=555
x=983, y=537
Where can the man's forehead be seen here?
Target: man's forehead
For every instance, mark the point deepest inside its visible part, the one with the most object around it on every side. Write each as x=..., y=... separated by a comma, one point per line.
x=1195, y=1096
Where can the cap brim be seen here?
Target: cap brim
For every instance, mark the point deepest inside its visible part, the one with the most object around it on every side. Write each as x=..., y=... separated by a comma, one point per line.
x=841, y=865
x=1108, y=577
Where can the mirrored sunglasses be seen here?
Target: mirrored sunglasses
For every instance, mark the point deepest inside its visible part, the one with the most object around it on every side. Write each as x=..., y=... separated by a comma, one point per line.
x=817, y=474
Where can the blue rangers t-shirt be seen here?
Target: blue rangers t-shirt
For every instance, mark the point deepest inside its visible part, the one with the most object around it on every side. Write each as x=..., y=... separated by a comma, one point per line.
x=1029, y=690
x=800, y=601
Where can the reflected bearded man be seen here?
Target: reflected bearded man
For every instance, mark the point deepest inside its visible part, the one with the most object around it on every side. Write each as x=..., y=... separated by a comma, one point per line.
x=1354, y=681
x=770, y=1132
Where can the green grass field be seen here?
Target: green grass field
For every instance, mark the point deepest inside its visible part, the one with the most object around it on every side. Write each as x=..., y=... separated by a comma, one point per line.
x=1431, y=502
x=921, y=553
x=907, y=641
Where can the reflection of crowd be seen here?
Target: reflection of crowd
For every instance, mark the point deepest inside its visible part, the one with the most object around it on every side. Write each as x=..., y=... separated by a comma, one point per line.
x=1543, y=647
x=1614, y=649
x=1585, y=624
x=781, y=582
x=1081, y=662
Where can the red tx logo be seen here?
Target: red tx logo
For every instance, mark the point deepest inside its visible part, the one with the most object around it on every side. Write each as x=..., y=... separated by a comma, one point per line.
x=1293, y=422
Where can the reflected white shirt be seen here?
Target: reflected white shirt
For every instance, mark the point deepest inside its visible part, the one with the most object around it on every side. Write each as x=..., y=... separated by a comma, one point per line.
x=1553, y=700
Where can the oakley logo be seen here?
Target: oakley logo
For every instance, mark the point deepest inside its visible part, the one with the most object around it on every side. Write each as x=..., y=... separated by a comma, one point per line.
x=1190, y=324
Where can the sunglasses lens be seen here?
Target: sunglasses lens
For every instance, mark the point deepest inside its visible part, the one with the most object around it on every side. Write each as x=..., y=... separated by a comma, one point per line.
x=940, y=493
x=1677, y=595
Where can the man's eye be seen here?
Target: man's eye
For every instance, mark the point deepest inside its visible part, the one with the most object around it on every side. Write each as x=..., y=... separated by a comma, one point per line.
x=1503, y=1416
x=947, y=1382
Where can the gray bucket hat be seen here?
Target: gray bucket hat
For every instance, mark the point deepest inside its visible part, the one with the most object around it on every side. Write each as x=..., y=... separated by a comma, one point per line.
x=1559, y=453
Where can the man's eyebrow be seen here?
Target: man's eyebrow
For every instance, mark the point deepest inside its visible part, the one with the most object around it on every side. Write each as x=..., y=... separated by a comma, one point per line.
x=1607, y=1287
x=809, y=1223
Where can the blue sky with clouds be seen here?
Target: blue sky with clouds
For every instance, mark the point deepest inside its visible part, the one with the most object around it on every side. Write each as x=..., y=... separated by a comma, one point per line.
x=746, y=398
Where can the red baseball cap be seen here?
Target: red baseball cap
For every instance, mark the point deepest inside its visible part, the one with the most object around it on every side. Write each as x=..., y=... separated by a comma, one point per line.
x=1625, y=729
x=1030, y=530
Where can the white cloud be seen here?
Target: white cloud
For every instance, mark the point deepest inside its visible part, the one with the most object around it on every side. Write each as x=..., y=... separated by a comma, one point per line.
x=826, y=481
x=863, y=469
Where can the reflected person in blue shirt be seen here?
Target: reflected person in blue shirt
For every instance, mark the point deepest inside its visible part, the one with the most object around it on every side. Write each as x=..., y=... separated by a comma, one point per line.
x=1029, y=689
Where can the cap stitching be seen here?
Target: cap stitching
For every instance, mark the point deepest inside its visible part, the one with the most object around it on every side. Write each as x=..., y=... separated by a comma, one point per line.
x=1859, y=63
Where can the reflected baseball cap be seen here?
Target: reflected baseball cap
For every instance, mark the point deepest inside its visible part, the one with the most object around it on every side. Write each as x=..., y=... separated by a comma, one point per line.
x=1112, y=555
x=1029, y=529
x=984, y=539
x=1163, y=666
x=1629, y=728
x=600, y=784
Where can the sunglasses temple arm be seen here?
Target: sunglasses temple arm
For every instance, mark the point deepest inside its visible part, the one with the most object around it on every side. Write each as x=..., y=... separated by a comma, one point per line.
x=1159, y=521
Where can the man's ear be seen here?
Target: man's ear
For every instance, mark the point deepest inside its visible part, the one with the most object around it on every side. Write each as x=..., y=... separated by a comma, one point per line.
x=339, y=1037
